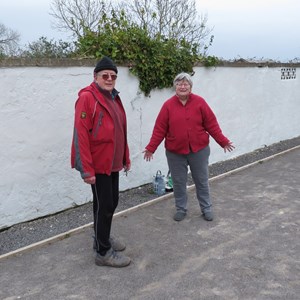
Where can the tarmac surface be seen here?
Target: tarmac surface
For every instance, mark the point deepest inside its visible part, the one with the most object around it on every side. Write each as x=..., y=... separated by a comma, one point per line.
x=250, y=251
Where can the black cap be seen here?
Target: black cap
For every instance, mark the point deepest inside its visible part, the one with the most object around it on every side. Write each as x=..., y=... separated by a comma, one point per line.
x=105, y=64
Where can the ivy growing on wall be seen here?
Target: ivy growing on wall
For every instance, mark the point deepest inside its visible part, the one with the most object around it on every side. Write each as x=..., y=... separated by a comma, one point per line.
x=155, y=61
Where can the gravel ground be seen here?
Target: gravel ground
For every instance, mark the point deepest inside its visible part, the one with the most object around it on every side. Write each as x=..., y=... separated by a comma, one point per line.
x=24, y=234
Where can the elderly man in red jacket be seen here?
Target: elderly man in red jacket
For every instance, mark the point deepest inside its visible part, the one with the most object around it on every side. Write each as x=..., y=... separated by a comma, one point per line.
x=99, y=152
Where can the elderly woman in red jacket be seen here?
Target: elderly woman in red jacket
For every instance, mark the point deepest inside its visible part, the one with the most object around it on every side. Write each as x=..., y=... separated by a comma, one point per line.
x=186, y=121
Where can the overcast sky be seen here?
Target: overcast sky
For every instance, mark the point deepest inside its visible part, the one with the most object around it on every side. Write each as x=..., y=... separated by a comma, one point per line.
x=249, y=29
x=254, y=28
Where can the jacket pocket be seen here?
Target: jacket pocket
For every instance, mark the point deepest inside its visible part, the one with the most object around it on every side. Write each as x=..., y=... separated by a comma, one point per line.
x=170, y=138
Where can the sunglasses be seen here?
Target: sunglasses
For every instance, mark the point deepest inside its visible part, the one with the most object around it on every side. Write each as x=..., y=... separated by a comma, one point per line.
x=106, y=76
x=185, y=84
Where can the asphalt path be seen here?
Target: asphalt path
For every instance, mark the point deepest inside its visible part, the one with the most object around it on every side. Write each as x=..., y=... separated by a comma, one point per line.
x=250, y=251
x=24, y=234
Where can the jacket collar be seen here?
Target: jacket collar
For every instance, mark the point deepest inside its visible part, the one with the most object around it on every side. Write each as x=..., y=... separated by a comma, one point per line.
x=107, y=94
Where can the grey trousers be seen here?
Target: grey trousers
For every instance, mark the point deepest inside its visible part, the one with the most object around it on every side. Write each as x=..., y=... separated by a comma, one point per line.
x=178, y=165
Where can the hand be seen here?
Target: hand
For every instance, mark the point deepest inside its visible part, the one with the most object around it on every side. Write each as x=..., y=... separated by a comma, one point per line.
x=127, y=168
x=148, y=155
x=229, y=147
x=90, y=180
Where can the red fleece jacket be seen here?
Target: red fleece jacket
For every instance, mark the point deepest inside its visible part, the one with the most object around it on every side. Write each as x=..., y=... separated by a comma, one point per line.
x=185, y=128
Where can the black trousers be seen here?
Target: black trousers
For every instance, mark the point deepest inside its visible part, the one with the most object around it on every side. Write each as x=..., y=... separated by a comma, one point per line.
x=105, y=202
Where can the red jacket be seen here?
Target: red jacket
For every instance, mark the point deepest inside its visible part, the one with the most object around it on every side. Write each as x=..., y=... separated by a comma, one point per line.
x=185, y=128
x=94, y=142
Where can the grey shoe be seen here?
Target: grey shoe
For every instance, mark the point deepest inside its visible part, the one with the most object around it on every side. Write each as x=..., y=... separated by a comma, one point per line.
x=116, y=244
x=112, y=259
x=208, y=216
x=179, y=216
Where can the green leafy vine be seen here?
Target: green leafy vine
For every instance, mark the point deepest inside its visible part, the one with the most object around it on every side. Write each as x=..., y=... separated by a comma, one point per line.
x=154, y=60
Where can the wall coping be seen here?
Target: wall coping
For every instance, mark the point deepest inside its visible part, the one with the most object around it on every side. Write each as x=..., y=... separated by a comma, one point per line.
x=89, y=62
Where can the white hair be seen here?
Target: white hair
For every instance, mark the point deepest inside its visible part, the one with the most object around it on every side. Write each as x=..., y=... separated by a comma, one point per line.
x=183, y=76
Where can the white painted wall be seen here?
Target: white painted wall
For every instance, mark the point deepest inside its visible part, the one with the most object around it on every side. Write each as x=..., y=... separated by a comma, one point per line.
x=253, y=105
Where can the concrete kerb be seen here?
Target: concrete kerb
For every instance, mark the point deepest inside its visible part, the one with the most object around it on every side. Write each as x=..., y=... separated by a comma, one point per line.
x=67, y=234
